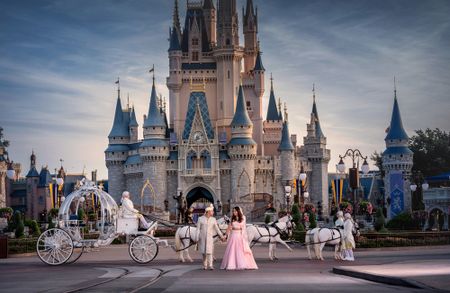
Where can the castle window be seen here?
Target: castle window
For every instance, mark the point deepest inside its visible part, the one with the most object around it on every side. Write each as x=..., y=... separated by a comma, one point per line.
x=153, y=148
x=229, y=74
x=249, y=108
x=194, y=42
x=221, y=105
x=195, y=56
x=227, y=42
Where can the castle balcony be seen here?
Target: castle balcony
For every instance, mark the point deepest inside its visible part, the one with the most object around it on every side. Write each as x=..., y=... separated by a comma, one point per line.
x=198, y=172
x=193, y=175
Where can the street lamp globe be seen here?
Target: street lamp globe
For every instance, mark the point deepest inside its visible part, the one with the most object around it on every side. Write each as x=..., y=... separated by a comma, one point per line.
x=59, y=181
x=306, y=194
x=425, y=186
x=287, y=189
x=63, y=198
x=341, y=166
x=11, y=174
x=302, y=176
x=413, y=187
x=365, y=167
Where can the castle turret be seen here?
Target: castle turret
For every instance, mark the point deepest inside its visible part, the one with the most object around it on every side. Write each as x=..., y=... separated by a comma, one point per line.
x=287, y=156
x=397, y=163
x=133, y=126
x=242, y=151
x=174, y=81
x=209, y=12
x=273, y=125
x=117, y=151
x=250, y=23
x=316, y=152
x=227, y=24
x=154, y=151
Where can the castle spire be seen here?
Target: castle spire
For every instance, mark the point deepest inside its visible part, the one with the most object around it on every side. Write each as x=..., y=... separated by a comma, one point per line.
x=241, y=117
x=396, y=130
x=280, y=113
x=118, y=129
x=133, y=121
x=154, y=117
x=272, y=111
x=258, y=63
x=174, y=41
x=315, y=115
x=286, y=142
x=176, y=20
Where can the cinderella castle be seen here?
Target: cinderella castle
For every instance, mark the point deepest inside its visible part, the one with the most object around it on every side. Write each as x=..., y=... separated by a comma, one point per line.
x=215, y=144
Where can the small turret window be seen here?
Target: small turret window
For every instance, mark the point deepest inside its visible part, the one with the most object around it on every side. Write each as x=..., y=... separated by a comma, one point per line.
x=195, y=56
x=229, y=74
x=194, y=42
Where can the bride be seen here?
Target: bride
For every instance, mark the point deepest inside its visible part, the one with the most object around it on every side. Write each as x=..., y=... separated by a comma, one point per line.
x=238, y=255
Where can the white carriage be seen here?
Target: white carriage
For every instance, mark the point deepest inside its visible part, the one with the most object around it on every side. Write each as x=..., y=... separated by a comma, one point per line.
x=67, y=242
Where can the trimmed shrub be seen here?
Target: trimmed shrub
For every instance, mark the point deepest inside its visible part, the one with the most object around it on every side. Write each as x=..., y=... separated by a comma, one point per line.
x=295, y=213
x=403, y=221
x=18, y=222
x=379, y=220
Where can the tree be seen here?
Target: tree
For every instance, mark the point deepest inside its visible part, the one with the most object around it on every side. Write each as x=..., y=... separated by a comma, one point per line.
x=431, y=151
x=18, y=224
x=377, y=158
x=295, y=212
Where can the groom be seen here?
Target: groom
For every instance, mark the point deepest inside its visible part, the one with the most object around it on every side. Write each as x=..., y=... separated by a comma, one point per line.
x=206, y=226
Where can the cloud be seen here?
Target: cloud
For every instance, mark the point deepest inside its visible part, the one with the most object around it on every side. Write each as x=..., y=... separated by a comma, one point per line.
x=59, y=61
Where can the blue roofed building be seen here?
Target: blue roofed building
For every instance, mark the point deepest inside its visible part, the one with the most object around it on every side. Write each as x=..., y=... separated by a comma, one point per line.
x=397, y=163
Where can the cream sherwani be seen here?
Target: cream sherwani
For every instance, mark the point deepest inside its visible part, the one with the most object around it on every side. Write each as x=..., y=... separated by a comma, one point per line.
x=207, y=228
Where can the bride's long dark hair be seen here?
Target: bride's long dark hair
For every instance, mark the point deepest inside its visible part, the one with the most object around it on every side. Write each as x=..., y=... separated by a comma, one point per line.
x=239, y=217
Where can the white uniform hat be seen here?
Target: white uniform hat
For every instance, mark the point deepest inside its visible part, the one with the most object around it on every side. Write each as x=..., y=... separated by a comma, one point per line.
x=347, y=216
x=210, y=208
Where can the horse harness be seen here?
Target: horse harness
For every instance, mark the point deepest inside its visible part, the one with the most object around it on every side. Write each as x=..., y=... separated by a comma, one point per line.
x=280, y=232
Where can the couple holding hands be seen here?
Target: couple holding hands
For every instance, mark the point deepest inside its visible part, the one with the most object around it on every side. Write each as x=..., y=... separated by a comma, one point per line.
x=238, y=255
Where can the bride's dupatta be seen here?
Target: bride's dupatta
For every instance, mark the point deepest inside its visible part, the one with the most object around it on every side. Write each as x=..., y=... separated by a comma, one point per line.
x=247, y=248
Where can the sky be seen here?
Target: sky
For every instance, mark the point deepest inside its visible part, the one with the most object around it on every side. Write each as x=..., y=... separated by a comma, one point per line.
x=59, y=60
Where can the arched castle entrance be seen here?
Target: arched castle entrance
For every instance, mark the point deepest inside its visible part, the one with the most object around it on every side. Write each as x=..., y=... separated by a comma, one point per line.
x=198, y=198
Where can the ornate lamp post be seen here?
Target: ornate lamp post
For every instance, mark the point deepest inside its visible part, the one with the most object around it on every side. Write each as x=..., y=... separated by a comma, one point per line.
x=301, y=186
x=418, y=186
x=353, y=172
x=287, y=194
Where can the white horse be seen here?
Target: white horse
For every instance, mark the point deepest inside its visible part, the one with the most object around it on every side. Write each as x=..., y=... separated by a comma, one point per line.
x=271, y=234
x=186, y=236
x=319, y=237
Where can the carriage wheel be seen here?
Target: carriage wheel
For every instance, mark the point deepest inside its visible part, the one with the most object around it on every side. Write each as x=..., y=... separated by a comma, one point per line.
x=143, y=249
x=54, y=247
x=77, y=252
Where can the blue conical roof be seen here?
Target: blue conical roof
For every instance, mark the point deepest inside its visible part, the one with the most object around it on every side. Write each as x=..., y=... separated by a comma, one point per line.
x=174, y=41
x=272, y=111
x=133, y=121
x=241, y=115
x=120, y=128
x=258, y=63
x=286, y=143
x=396, y=130
x=154, y=117
x=319, y=132
x=33, y=172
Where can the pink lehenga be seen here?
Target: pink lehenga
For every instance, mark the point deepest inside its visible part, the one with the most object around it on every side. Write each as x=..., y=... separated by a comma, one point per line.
x=238, y=255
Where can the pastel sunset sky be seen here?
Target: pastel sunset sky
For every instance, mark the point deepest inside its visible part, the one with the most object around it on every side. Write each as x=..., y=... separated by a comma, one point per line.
x=59, y=60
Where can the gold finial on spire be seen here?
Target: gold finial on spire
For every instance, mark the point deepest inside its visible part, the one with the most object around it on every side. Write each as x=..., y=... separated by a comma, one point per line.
x=395, y=88
x=118, y=86
x=314, y=92
x=152, y=70
x=285, y=112
x=271, y=81
x=279, y=105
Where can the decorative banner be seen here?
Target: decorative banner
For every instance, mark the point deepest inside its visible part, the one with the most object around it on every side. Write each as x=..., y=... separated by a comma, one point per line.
x=337, y=187
x=52, y=198
x=397, y=193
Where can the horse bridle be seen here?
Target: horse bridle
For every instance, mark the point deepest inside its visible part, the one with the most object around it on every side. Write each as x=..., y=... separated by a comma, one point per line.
x=281, y=232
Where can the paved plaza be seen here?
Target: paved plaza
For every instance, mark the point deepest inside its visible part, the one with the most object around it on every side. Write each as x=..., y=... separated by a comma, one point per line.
x=110, y=269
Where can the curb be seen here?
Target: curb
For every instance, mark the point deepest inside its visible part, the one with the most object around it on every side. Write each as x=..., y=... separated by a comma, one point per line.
x=396, y=281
